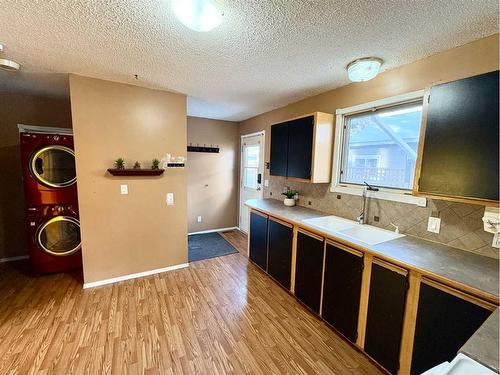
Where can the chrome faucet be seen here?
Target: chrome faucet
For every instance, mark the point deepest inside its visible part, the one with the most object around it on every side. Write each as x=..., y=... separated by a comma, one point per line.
x=361, y=217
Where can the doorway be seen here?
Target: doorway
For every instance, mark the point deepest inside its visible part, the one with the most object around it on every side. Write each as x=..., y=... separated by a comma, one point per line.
x=251, y=173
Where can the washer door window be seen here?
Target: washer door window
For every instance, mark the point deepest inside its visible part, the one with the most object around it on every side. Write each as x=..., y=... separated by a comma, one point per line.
x=54, y=166
x=60, y=236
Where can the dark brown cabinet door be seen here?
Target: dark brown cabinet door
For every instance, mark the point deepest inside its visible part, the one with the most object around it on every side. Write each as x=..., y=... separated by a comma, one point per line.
x=279, y=264
x=460, y=154
x=386, y=304
x=308, y=270
x=258, y=240
x=279, y=149
x=444, y=323
x=300, y=144
x=342, y=290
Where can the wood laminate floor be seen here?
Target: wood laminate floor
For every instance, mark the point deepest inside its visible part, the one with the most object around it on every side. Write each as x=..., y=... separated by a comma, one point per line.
x=218, y=316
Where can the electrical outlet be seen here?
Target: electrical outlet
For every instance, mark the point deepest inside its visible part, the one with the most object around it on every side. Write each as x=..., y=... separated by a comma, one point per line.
x=170, y=199
x=434, y=224
x=199, y=219
x=123, y=189
x=266, y=183
x=496, y=241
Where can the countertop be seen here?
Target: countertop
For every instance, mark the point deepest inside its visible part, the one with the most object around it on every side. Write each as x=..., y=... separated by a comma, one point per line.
x=483, y=346
x=474, y=272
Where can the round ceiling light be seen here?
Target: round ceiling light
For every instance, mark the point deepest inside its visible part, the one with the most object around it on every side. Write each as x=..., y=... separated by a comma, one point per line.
x=198, y=15
x=6, y=64
x=364, y=69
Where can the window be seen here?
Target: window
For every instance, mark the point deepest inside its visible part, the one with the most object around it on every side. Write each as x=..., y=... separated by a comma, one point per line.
x=251, y=166
x=377, y=143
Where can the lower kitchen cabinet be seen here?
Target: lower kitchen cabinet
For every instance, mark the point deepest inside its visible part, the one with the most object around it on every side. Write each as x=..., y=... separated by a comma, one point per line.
x=309, y=270
x=342, y=289
x=446, y=319
x=386, y=305
x=279, y=260
x=258, y=239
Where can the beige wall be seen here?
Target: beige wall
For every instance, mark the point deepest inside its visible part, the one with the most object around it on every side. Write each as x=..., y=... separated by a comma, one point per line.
x=29, y=110
x=212, y=178
x=125, y=234
x=461, y=225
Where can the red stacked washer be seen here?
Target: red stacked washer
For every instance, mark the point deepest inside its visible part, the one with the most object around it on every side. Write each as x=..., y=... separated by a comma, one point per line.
x=49, y=175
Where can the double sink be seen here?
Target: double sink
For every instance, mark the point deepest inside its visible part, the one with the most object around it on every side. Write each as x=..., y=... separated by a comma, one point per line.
x=350, y=229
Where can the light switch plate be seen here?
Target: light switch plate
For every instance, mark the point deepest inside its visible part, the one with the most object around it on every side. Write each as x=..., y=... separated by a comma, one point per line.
x=199, y=219
x=496, y=241
x=170, y=199
x=266, y=183
x=124, y=189
x=434, y=224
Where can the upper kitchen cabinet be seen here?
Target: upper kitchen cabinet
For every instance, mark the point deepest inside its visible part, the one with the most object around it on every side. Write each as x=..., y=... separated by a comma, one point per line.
x=301, y=148
x=460, y=141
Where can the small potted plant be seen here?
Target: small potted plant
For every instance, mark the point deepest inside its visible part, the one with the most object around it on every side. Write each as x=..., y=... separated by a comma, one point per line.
x=137, y=165
x=120, y=163
x=290, y=197
x=155, y=164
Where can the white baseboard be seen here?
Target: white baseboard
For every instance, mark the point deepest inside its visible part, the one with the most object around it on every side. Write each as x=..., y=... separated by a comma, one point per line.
x=13, y=259
x=133, y=276
x=213, y=230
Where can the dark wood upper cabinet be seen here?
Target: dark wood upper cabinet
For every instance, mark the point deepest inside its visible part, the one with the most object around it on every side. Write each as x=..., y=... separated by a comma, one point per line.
x=309, y=270
x=461, y=140
x=300, y=145
x=386, y=306
x=258, y=240
x=279, y=149
x=342, y=289
x=301, y=148
x=446, y=319
x=279, y=260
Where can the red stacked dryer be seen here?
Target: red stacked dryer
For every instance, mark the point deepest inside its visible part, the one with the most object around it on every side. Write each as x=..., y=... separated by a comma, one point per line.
x=49, y=175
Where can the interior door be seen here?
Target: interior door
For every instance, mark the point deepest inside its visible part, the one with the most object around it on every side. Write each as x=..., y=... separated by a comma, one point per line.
x=251, y=173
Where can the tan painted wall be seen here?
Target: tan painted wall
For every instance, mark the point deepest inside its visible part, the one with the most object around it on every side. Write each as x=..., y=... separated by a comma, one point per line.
x=29, y=110
x=463, y=230
x=125, y=234
x=212, y=178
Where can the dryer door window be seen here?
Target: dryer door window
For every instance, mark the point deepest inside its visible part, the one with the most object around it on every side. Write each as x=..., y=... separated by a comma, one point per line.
x=54, y=166
x=60, y=236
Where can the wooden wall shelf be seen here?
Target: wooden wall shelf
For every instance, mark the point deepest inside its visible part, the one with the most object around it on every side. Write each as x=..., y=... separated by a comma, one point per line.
x=136, y=172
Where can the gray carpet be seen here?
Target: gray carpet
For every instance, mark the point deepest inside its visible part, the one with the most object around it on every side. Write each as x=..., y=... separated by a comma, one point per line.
x=208, y=245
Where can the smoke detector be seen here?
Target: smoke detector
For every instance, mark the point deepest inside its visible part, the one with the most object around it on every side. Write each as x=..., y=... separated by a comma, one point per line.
x=6, y=64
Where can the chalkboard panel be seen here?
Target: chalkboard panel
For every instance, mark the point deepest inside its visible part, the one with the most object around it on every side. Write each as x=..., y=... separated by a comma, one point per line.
x=460, y=153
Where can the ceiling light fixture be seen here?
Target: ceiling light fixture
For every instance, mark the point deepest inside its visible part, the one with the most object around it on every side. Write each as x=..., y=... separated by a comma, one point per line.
x=364, y=69
x=198, y=15
x=6, y=64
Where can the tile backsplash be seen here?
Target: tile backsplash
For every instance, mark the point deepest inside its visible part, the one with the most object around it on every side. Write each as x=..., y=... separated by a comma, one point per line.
x=461, y=224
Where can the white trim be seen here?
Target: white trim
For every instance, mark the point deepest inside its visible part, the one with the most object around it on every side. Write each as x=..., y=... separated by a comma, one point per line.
x=213, y=230
x=396, y=195
x=13, y=259
x=263, y=166
x=44, y=129
x=133, y=276
x=392, y=100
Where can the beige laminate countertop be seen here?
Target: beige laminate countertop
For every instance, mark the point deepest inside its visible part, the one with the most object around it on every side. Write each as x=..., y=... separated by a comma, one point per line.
x=433, y=259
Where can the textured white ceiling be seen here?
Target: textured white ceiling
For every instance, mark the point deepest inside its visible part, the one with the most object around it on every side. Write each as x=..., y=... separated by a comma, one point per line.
x=264, y=55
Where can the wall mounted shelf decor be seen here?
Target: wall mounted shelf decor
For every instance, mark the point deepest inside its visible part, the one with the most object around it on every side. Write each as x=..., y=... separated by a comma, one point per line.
x=136, y=172
x=208, y=149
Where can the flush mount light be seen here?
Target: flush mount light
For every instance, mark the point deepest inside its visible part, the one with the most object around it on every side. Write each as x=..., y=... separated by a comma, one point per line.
x=198, y=15
x=6, y=64
x=364, y=69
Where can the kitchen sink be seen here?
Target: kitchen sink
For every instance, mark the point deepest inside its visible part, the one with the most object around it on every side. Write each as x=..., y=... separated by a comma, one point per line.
x=330, y=223
x=350, y=229
x=370, y=235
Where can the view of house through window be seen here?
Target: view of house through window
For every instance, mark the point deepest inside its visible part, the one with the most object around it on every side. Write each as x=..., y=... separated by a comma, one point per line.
x=380, y=146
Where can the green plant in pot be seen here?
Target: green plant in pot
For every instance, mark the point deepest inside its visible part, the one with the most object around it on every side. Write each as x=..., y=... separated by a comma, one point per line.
x=137, y=165
x=289, y=200
x=155, y=164
x=120, y=163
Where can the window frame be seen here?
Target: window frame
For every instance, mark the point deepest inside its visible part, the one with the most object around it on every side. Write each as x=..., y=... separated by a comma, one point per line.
x=391, y=194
